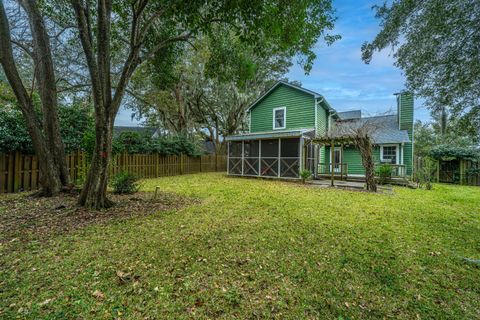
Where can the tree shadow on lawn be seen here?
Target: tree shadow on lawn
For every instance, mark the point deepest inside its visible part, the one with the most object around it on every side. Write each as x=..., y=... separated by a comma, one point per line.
x=25, y=218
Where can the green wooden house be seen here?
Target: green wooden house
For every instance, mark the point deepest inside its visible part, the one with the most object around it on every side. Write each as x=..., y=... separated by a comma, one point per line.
x=285, y=122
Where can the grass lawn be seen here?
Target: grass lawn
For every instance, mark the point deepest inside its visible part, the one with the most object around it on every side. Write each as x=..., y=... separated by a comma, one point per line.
x=259, y=249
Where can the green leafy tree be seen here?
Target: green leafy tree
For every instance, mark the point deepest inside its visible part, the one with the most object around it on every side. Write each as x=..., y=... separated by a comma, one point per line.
x=13, y=131
x=204, y=94
x=47, y=141
x=117, y=37
x=425, y=138
x=75, y=121
x=435, y=43
x=429, y=135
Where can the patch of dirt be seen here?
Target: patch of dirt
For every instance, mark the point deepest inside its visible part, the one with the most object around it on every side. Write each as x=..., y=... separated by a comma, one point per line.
x=23, y=218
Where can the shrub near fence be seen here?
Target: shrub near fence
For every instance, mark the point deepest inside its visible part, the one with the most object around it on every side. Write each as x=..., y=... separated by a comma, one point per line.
x=19, y=172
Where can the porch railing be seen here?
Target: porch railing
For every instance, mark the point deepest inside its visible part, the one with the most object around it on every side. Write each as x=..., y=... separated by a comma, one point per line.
x=398, y=170
x=339, y=169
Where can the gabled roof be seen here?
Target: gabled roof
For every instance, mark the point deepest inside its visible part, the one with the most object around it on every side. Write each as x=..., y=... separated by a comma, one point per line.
x=278, y=83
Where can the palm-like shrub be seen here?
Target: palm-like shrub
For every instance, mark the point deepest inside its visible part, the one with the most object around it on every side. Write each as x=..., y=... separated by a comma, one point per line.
x=125, y=183
x=305, y=174
x=384, y=173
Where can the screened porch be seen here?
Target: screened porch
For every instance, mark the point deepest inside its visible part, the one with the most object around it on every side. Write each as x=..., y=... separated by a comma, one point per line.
x=270, y=158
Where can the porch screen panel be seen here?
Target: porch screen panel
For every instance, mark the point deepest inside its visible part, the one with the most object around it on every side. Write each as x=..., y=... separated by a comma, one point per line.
x=269, y=160
x=251, y=157
x=310, y=157
x=235, y=157
x=289, y=158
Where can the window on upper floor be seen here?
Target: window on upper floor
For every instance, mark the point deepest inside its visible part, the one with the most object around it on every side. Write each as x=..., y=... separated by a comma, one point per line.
x=389, y=154
x=279, y=116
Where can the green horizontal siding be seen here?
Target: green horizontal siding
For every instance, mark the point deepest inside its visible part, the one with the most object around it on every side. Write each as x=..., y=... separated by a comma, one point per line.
x=408, y=157
x=405, y=114
x=321, y=129
x=321, y=120
x=300, y=108
x=352, y=157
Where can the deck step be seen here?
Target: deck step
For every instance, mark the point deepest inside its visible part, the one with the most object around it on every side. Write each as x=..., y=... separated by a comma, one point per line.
x=393, y=181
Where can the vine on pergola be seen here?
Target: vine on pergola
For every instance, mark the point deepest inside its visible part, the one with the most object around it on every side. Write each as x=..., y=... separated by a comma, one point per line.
x=360, y=134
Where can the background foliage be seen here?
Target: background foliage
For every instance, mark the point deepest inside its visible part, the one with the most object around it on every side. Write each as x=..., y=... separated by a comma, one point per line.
x=75, y=120
x=435, y=43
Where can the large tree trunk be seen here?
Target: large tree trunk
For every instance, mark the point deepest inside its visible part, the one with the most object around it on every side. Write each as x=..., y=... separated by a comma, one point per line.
x=46, y=84
x=94, y=192
x=50, y=182
x=364, y=145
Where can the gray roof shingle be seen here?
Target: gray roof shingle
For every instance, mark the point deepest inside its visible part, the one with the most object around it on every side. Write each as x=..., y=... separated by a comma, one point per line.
x=141, y=130
x=387, y=129
x=348, y=115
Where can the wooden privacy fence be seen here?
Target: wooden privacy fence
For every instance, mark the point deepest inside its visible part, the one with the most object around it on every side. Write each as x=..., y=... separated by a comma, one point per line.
x=19, y=172
x=458, y=171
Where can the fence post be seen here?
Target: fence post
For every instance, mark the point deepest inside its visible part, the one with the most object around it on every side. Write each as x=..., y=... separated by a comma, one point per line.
x=438, y=171
x=84, y=166
x=462, y=171
x=18, y=173
x=216, y=162
x=181, y=163
x=2, y=173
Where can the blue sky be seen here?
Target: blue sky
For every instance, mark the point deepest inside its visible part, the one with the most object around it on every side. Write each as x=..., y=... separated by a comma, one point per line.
x=339, y=73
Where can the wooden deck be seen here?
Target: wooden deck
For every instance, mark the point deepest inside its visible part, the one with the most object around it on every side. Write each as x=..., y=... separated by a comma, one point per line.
x=355, y=185
x=400, y=181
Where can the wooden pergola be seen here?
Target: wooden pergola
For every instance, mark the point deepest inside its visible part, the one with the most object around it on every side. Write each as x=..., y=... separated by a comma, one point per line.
x=332, y=141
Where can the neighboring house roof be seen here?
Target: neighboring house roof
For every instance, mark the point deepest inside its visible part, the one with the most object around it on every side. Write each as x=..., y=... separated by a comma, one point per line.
x=209, y=147
x=386, y=129
x=273, y=134
x=142, y=130
x=278, y=83
x=348, y=115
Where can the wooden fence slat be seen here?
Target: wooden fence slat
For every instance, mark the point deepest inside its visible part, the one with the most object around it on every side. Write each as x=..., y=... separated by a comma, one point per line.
x=21, y=172
x=26, y=173
x=18, y=172
x=2, y=173
x=34, y=173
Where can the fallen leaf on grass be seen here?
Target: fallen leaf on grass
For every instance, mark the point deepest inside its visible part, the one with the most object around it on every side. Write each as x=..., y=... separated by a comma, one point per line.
x=98, y=294
x=45, y=302
x=123, y=276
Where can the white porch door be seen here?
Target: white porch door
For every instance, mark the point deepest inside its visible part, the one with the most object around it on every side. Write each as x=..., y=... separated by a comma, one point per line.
x=337, y=159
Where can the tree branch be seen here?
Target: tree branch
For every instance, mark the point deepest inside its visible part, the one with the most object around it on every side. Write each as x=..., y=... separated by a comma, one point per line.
x=83, y=21
x=163, y=44
x=23, y=47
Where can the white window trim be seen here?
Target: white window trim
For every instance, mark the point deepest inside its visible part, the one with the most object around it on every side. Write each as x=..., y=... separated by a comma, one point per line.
x=284, y=118
x=341, y=154
x=397, y=158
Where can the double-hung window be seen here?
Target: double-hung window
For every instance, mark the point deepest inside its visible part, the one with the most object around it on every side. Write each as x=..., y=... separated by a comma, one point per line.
x=389, y=154
x=279, y=117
